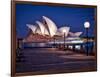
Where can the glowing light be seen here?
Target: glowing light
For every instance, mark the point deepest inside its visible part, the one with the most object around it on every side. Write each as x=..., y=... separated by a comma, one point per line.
x=63, y=30
x=86, y=24
x=77, y=47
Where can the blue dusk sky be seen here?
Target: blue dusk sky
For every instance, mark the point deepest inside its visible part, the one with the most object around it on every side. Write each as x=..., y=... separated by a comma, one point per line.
x=73, y=17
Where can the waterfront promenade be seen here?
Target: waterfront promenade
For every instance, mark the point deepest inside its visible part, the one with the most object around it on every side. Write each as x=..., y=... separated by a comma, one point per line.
x=40, y=60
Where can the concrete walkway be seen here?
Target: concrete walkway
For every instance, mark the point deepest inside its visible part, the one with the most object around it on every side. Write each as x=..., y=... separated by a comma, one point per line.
x=52, y=59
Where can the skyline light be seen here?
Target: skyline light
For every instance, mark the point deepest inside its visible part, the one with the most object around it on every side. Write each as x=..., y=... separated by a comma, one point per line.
x=86, y=24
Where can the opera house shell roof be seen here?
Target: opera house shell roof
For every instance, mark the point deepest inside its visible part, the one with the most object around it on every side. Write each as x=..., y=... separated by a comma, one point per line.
x=48, y=27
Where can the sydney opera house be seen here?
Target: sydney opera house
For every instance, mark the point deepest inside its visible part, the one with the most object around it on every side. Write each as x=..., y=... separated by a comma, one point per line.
x=47, y=48
x=47, y=30
x=53, y=39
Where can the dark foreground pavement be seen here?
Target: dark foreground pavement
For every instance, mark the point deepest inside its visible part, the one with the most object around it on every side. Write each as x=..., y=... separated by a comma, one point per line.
x=51, y=60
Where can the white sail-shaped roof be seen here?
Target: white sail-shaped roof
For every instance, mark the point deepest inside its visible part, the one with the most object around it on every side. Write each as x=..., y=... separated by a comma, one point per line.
x=76, y=34
x=51, y=26
x=32, y=27
x=41, y=26
x=46, y=31
x=38, y=30
x=60, y=31
x=48, y=27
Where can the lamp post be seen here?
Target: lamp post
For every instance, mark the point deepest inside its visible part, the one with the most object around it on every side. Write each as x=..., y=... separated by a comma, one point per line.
x=64, y=31
x=87, y=25
x=54, y=42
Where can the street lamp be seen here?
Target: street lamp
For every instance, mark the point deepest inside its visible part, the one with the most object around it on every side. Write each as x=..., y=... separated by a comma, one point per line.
x=86, y=26
x=64, y=31
x=54, y=42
